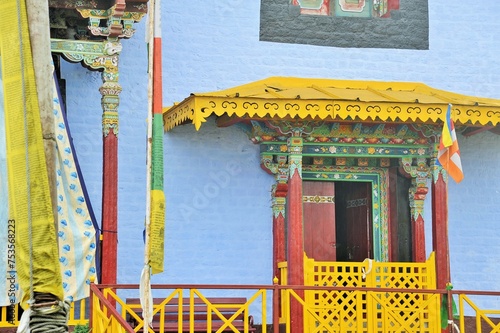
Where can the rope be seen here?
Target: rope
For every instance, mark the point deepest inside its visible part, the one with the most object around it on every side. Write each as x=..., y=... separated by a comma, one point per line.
x=48, y=315
x=370, y=263
x=454, y=325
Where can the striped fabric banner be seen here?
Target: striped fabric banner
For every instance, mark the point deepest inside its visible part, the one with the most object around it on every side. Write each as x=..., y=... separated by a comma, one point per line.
x=76, y=221
x=157, y=194
x=155, y=205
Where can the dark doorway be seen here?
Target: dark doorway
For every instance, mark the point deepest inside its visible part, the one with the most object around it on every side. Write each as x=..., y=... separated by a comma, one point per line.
x=337, y=220
x=354, y=221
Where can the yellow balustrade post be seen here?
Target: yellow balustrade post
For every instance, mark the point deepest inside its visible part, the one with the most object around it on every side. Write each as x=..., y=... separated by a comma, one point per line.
x=276, y=306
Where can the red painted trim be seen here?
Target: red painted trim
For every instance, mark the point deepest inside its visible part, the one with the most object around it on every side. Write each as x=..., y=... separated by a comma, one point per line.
x=393, y=4
x=440, y=231
x=109, y=208
x=157, y=78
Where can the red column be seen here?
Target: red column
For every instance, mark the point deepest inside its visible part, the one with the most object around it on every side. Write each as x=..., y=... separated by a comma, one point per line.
x=110, y=100
x=418, y=227
x=280, y=191
x=418, y=231
x=295, y=232
x=109, y=211
x=279, y=252
x=440, y=228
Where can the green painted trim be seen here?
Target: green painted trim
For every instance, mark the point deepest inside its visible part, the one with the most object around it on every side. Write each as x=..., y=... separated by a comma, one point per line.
x=351, y=150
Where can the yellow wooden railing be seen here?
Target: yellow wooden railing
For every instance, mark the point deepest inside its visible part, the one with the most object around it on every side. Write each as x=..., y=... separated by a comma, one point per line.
x=393, y=305
x=78, y=314
x=104, y=317
x=484, y=321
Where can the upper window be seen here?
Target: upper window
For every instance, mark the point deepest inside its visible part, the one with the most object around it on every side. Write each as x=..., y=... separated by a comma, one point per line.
x=347, y=8
x=397, y=24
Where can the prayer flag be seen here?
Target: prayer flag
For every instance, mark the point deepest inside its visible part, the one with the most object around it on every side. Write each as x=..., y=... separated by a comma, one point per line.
x=157, y=212
x=30, y=206
x=155, y=205
x=449, y=153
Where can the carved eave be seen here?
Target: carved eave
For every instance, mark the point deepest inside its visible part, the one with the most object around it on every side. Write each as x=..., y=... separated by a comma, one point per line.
x=100, y=55
x=282, y=98
x=90, y=31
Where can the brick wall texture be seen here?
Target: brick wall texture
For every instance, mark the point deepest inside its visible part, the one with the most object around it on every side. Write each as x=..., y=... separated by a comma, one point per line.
x=218, y=221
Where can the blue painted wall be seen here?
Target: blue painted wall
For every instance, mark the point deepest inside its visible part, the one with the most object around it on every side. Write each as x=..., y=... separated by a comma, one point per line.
x=218, y=225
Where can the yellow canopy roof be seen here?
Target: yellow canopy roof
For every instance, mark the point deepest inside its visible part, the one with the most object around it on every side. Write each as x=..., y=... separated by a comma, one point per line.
x=324, y=99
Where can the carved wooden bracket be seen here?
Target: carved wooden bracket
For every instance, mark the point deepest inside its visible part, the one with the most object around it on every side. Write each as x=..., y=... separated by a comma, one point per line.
x=420, y=174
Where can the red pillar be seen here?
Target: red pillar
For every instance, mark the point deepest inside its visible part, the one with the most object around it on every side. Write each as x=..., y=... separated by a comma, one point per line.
x=418, y=225
x=280, y=191
x=109, y=211
x=295, y=232
x=440, y=229
x=418, y=231
x=110, y=100
x=279, y=252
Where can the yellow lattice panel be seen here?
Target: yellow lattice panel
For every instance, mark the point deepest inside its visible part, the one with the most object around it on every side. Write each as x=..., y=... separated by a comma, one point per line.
x=403, y=312
x=334, y=274
x=334, y=311
x=362, y=311
x=404, y=275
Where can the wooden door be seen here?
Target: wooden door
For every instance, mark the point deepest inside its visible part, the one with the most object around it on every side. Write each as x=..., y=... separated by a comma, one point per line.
x=319, y=220
x=354, y=221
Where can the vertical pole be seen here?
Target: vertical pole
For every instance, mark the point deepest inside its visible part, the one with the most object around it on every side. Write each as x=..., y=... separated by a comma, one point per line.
x=110, y=101
x=39, y=27
x=276, y=305
x=295, y=232
x=449, y=310
x=91, y=307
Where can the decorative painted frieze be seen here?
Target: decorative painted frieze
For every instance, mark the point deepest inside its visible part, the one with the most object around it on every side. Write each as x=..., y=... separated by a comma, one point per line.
x=278, y=202
x=295, y=145
x=420, y=174
x=318, y=199
x=280, y=170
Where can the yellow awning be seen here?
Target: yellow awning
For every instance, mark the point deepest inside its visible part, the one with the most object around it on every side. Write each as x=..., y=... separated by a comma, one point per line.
x=324, y=99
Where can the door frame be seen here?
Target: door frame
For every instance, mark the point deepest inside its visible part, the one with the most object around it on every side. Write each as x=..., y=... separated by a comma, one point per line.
x=379, y=178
